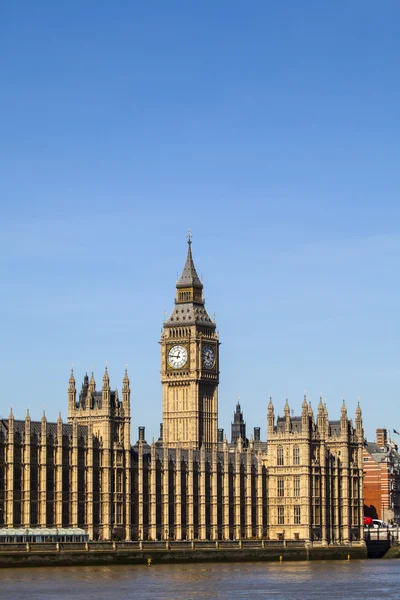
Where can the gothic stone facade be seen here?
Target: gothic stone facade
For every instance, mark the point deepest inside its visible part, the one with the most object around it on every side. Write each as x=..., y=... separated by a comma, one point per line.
x=305, y=482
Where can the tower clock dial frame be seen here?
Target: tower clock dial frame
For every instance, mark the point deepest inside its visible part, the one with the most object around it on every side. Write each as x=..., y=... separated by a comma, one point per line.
x=177, y=356
x=208, y=356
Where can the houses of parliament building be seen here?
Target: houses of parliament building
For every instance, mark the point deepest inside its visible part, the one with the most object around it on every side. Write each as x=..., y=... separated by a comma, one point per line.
x=304, y=482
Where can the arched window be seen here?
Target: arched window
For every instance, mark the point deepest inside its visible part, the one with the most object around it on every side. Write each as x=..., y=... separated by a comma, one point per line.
x=296, y=455
x=280, y=460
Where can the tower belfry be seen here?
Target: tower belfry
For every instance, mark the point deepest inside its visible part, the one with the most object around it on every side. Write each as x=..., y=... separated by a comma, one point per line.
x=190, y=366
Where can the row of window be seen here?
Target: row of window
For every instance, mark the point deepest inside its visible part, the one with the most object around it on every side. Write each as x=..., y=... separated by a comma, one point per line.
x=296, y=515
x=281, y=487
x=280, y=457
x=180, y=399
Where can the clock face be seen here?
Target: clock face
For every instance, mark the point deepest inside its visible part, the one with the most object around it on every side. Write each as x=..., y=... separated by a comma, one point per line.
x=208, y=357
x=177, y=357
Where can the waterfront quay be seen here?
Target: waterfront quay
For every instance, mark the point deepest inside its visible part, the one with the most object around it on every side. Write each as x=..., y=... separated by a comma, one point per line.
x=100, y=553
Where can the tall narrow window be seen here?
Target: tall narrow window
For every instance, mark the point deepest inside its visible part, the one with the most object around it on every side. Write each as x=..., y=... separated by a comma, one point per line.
x=296, y=487
x=281, y=515
x=296, y=455
x=355, y=515
x=297, y=519
x=316, y=486
x=281, y=487
x=280, y=460
x=119, y=513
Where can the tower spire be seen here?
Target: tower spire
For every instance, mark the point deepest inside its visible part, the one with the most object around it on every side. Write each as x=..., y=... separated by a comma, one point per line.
x=189, y=301
x=189, y=277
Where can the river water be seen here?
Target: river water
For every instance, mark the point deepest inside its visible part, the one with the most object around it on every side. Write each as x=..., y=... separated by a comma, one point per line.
x=359, y=579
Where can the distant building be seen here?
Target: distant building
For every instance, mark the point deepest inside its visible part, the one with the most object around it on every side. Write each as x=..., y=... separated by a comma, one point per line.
x=382, y=478
x=238, y=427
x=304, y=482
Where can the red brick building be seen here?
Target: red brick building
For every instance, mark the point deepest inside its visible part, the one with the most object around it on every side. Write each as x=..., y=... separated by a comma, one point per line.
x=382, y=478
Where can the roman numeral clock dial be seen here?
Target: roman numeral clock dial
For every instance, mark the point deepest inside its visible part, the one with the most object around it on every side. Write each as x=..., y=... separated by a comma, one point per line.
x=177, y=357
x=208, y=356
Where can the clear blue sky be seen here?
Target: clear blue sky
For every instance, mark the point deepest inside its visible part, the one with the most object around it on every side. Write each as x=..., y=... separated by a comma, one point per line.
x=271, y=129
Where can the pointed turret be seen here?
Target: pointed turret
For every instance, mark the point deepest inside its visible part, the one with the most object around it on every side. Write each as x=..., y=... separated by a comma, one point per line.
x=59, y=427
x=358, y=411
x=71, y=395
x=92, y=383
x=71, y=381
x=359, y=423
x=270, y=406
x=27, y=428
x=43, y=429
x=286, y=410
x=321, y=417
x=343, y=412
x=304, y=415
x=126, y=394
x=343, y=419
x=326, y=420
x=125, y=381
x=106, y=380
x=105, y=392
x=310, y=411
x=270, y=419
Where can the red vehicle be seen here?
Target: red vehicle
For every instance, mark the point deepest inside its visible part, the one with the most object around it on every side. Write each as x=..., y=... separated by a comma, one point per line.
x=368, y=521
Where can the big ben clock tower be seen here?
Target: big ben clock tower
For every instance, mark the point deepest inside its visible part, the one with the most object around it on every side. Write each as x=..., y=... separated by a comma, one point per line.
x=189, y=366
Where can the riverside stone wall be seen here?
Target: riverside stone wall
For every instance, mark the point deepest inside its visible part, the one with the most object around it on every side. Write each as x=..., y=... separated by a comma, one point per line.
x=14, y=555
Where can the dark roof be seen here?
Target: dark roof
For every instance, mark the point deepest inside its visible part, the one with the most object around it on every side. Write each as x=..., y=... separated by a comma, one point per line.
x=185, y=455
x=95, y=398
x=334, y=427
x=190, y=313
x=36, y=428
x=189, y=277
x=382, y=454
x=295, y=424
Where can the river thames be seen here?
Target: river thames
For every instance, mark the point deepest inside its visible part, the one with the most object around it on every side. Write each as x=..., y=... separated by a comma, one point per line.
x=366, y=580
